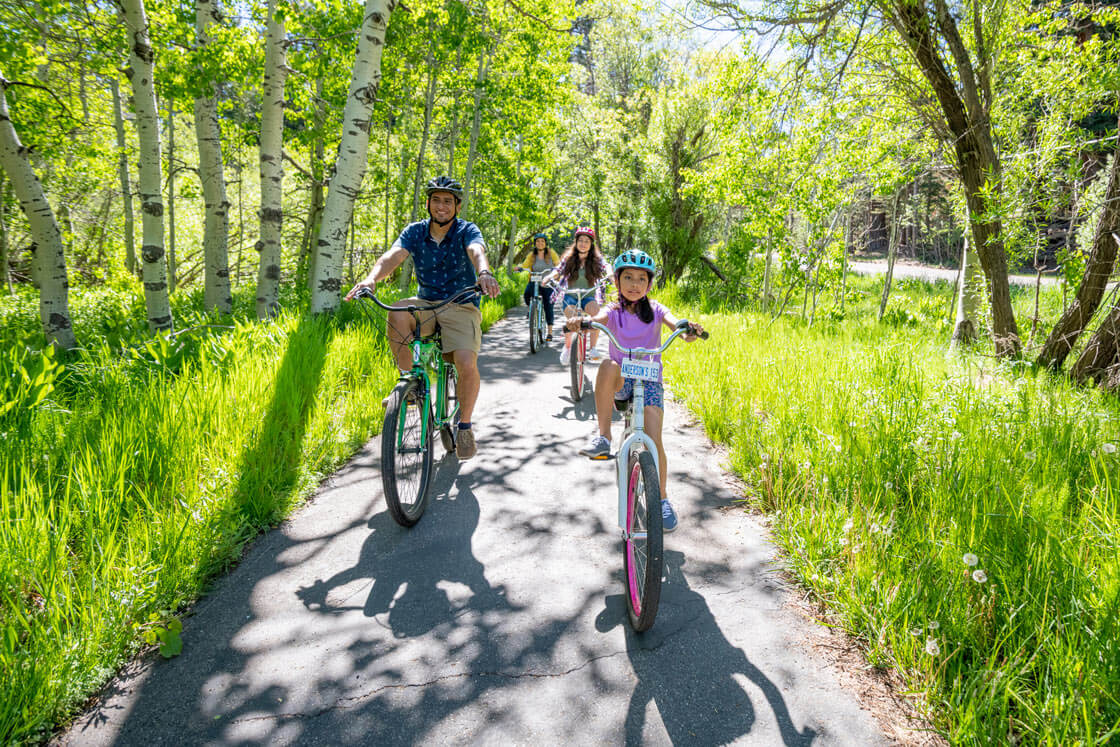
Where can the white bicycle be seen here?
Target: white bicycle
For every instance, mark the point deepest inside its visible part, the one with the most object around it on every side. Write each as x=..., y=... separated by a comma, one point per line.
x=639, y=488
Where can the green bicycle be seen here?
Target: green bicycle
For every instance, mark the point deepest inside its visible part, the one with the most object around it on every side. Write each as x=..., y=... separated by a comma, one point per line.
x=413, y=413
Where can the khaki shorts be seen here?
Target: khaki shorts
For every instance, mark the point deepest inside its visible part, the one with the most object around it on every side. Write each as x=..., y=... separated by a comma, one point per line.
x=460, y=324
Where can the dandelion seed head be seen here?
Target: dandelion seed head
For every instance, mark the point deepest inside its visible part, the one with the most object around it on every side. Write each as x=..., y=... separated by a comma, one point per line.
x=915, y=632
x=931, y=647
x=1031, y=455
x=1108, y=448
x=979, y=576
x=888, y=485
x=934, y=625
x=847, y=526
x=843, y=541
x=970, y=559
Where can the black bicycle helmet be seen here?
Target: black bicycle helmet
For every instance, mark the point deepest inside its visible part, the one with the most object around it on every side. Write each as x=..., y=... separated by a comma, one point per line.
x=445, y=184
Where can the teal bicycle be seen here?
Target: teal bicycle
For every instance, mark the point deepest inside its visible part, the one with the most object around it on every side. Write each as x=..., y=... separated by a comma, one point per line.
x=414, y=411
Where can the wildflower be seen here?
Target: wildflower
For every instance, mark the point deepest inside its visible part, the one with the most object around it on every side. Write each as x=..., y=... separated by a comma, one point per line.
x=934, y=625
x=888, y=485
x=970, y=559
x=931, y=647
x=1108, y=448
x=955, y=435
x=847, y=526
x=843, y=541
x=875, y=528
x=915, y=632
x=815, y=577
x=979, y=576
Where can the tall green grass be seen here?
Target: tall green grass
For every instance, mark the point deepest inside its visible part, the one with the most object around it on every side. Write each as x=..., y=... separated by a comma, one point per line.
x=960, y=517
x=140, y=472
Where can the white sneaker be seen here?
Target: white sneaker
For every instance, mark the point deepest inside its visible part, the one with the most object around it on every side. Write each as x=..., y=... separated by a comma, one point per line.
x=565, y=356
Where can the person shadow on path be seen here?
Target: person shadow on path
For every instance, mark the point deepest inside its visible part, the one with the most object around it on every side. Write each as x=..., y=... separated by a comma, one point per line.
x=438, y=549
x=686, y=666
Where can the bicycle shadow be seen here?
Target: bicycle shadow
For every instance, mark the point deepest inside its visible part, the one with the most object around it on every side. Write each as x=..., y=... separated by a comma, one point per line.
x=409, y=592
x=686, y=668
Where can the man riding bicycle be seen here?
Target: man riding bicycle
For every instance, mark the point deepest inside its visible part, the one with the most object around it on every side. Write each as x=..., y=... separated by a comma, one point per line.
x=449, y=255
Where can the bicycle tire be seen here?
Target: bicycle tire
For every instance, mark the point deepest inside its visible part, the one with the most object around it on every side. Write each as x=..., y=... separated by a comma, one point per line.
x=406, y=469
x=451, y=386
x=534, y=326
x=642, y=557
x=576, y=365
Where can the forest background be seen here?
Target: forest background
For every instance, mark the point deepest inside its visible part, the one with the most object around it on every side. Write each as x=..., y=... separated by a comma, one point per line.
x=187, y=189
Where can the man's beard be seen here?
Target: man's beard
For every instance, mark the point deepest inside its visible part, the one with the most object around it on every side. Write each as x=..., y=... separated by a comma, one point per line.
x=437, y=221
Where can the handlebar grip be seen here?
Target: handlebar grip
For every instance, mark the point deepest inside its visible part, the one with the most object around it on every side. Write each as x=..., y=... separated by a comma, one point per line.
x=364, y=293
x=585, y=325
x=704, y=335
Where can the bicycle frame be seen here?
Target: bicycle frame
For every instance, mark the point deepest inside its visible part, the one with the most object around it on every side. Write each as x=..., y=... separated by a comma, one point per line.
x=634, y=437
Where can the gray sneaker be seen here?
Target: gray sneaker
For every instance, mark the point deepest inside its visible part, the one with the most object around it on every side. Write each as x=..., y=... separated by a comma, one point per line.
x=599, y=447
x=464, y=445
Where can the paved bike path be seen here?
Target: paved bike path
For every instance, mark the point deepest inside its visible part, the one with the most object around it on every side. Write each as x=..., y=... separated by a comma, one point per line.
x=499, y=618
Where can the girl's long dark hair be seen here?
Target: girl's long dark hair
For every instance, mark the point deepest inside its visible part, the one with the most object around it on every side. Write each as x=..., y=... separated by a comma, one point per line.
x=570, y=264
x=642, y=306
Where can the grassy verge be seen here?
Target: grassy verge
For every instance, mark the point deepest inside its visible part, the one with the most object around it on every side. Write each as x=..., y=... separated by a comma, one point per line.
x=963, y=520
x=128, y=479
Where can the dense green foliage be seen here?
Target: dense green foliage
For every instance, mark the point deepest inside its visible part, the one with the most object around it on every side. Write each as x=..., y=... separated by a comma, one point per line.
x=960, y=518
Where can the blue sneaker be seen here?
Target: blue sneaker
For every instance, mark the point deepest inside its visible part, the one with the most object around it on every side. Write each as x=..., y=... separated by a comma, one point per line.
x=668, y=517
x=599, y=447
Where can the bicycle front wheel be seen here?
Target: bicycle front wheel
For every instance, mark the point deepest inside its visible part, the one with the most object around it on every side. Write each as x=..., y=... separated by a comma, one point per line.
x=447, y=432
x=406, y=452
x=535, y=339
x=642, y=544
x=576, y=365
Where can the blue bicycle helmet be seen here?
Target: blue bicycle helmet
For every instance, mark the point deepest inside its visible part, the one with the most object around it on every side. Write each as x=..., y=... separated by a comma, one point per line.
x=635, y=258
x=539, y=236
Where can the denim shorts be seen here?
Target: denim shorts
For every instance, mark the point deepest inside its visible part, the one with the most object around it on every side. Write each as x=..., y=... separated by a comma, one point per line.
x=654, y=393
x=571, y=301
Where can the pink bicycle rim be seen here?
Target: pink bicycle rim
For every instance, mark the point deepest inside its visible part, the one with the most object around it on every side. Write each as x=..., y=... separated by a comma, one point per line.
x=632, y=578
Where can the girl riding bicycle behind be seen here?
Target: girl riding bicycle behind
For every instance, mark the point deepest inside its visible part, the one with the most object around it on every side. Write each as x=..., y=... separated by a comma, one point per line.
x=581, y=267
x=636, y=321
x=541, y=258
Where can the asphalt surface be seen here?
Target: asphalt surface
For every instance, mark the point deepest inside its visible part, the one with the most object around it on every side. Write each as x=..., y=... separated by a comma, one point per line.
x=933, y=274
x=499, y=618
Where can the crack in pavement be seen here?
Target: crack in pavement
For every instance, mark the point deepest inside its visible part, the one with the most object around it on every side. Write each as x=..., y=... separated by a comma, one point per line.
x=352, y=701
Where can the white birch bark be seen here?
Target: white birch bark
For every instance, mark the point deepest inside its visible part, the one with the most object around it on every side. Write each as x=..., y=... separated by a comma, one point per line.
x=476, y=125
x=970, y=296
x=215, y=236
x=272, y=166
x=4, y=268
x=54, y=302
x=153, y=257
x=350, y=167
x=122, y=171
x=171, y=263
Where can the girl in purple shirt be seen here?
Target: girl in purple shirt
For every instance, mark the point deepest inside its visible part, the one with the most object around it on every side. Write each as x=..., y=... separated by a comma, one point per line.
x=636, y=321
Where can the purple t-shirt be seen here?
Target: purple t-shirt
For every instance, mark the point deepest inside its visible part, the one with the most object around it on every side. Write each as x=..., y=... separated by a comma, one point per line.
x=632, y=332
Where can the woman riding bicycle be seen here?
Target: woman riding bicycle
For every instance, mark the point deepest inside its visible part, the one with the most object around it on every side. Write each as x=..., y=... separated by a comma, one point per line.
x=636, y=321
x=581, y=267
x=540, y=259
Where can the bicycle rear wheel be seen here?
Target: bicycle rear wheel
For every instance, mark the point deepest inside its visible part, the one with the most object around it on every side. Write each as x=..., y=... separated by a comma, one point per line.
x=642, y=544
x=451, y=386
x=406, y=452
x=535, y=339
x=576, y=365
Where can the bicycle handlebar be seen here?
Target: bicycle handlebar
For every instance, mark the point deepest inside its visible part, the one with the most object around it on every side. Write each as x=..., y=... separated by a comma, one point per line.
x=683, y=326
x=457, y=297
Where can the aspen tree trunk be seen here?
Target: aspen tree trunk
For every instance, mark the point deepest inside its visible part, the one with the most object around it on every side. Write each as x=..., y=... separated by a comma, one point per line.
x=892, y=255
x=453, y=131
x=766, y=271
x=170, y=194
x=429, y=105
x=152, y=255
x=476, y=124
x=272, y=166
x=122, y=171
x=1094, y=281
x=215, y=236
x=54, y=302
x=4, y=268
x=970, y=296
x=350, y=168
